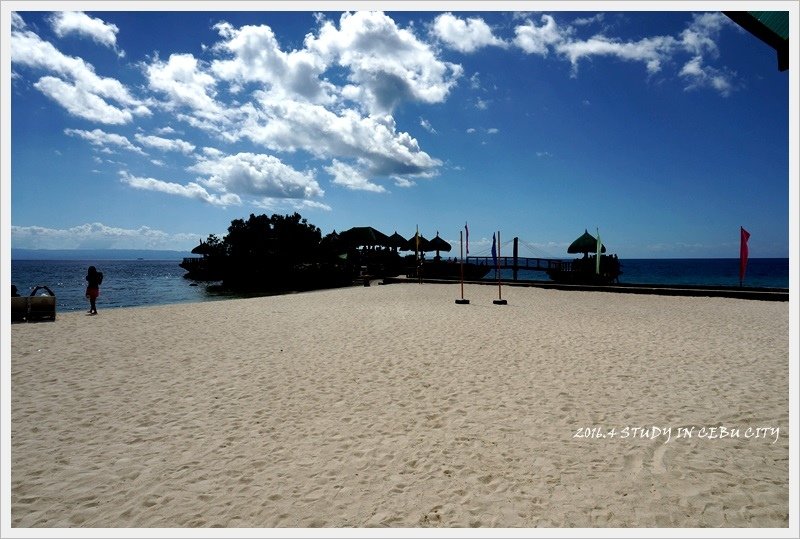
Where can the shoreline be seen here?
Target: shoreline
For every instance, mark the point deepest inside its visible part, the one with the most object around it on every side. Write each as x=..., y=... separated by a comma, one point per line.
x=744, y=292
x=393, y=406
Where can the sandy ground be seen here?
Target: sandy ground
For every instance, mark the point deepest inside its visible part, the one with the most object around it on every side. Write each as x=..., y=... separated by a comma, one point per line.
x=393, y=406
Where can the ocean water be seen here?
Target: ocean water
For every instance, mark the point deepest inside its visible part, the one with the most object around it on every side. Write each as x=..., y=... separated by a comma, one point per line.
x=126, y=283
x=761, y=272
x=134, y=283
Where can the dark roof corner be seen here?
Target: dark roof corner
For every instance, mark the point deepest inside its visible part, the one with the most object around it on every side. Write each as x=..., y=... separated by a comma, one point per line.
x=771, y=27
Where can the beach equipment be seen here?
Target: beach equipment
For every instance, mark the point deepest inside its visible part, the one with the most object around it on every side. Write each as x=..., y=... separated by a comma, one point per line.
x=19, y=308
x=42, y=307
x=586, y=243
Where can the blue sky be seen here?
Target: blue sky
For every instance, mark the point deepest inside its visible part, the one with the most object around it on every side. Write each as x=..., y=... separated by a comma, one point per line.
x=666, y=130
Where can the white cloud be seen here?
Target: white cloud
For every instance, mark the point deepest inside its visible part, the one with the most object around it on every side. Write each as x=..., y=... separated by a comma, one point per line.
x=352, y=178
x=651, y=51
x=77, y=78
x=165, y=144
x=98, y=137
x=387, y=64
x=256, y=175
x=585, y=21
x=655, y=52
x=77, y=22
x=699, y=76
x=538, y=39
x=16, y=21
x=259, y=58
x=465, y=35
x=81, y=102
x=475, y=81
x=701, y=34
x=426, y=125
x=492, y=131
x=185, y=83
x=190, y=190
x=98, y=236
x=288, y=126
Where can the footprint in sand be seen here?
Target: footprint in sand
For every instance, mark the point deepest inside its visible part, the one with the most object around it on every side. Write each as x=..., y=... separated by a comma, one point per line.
x=658, y=460
x=633, y=463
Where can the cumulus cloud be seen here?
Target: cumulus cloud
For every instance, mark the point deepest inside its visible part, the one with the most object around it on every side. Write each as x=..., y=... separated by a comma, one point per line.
x=78, y=88
x=165, y=144
x=184, y=83
x=77, y=22
x=98, y=236
x=256, y=175
x=101, y=139
x=387, y=64
x=374, y=140
x=257, y=57
x=464, y=35
x=352, y=178
x=535, y=39
x=190, y=190
x=82, y=102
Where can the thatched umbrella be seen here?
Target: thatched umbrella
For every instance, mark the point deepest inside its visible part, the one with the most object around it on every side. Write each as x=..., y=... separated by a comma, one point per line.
x=585, y=244
x=424, y=245
x=397, y=241
x=438, y=244
x=364, y=236
x=202, y=249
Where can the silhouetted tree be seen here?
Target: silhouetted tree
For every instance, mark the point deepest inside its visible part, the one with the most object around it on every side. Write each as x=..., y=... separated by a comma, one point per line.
x=264, y=252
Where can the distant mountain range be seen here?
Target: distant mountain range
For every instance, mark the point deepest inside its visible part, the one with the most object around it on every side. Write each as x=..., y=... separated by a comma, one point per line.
x=96, y=254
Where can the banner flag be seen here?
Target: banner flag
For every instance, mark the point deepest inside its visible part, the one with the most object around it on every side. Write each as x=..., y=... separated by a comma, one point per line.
x=466, y=227
x=494, y=250
x=743, y=253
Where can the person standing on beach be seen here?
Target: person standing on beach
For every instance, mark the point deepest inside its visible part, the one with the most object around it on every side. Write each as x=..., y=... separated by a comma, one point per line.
x=93, y=280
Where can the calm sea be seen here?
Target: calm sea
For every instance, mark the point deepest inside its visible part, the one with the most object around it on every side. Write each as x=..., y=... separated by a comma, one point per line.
x=133, y=283
x=761, y=272
x=126, y=283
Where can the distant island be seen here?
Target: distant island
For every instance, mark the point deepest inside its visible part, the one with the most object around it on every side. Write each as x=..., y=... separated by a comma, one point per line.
x=96, y=254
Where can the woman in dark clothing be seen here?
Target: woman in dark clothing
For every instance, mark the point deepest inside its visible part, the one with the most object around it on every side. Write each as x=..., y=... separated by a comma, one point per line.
x=93, y=278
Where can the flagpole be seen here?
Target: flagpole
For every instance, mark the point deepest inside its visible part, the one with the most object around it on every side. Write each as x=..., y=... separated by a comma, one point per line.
x=499, y=300
x=499, y=285
x=461, y=242
x=416, y=254
x=462, y=301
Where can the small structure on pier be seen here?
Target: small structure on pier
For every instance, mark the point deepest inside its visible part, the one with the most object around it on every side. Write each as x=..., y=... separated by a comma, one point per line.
x=587, y=270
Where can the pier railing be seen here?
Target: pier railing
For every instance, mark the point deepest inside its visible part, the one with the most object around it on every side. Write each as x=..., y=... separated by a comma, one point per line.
x=519, y=263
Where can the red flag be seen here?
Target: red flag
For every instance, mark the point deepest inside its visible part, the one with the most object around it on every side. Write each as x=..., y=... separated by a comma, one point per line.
x=743, y=253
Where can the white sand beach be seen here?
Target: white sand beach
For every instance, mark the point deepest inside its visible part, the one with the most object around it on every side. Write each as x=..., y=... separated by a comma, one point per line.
x=393, y=406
